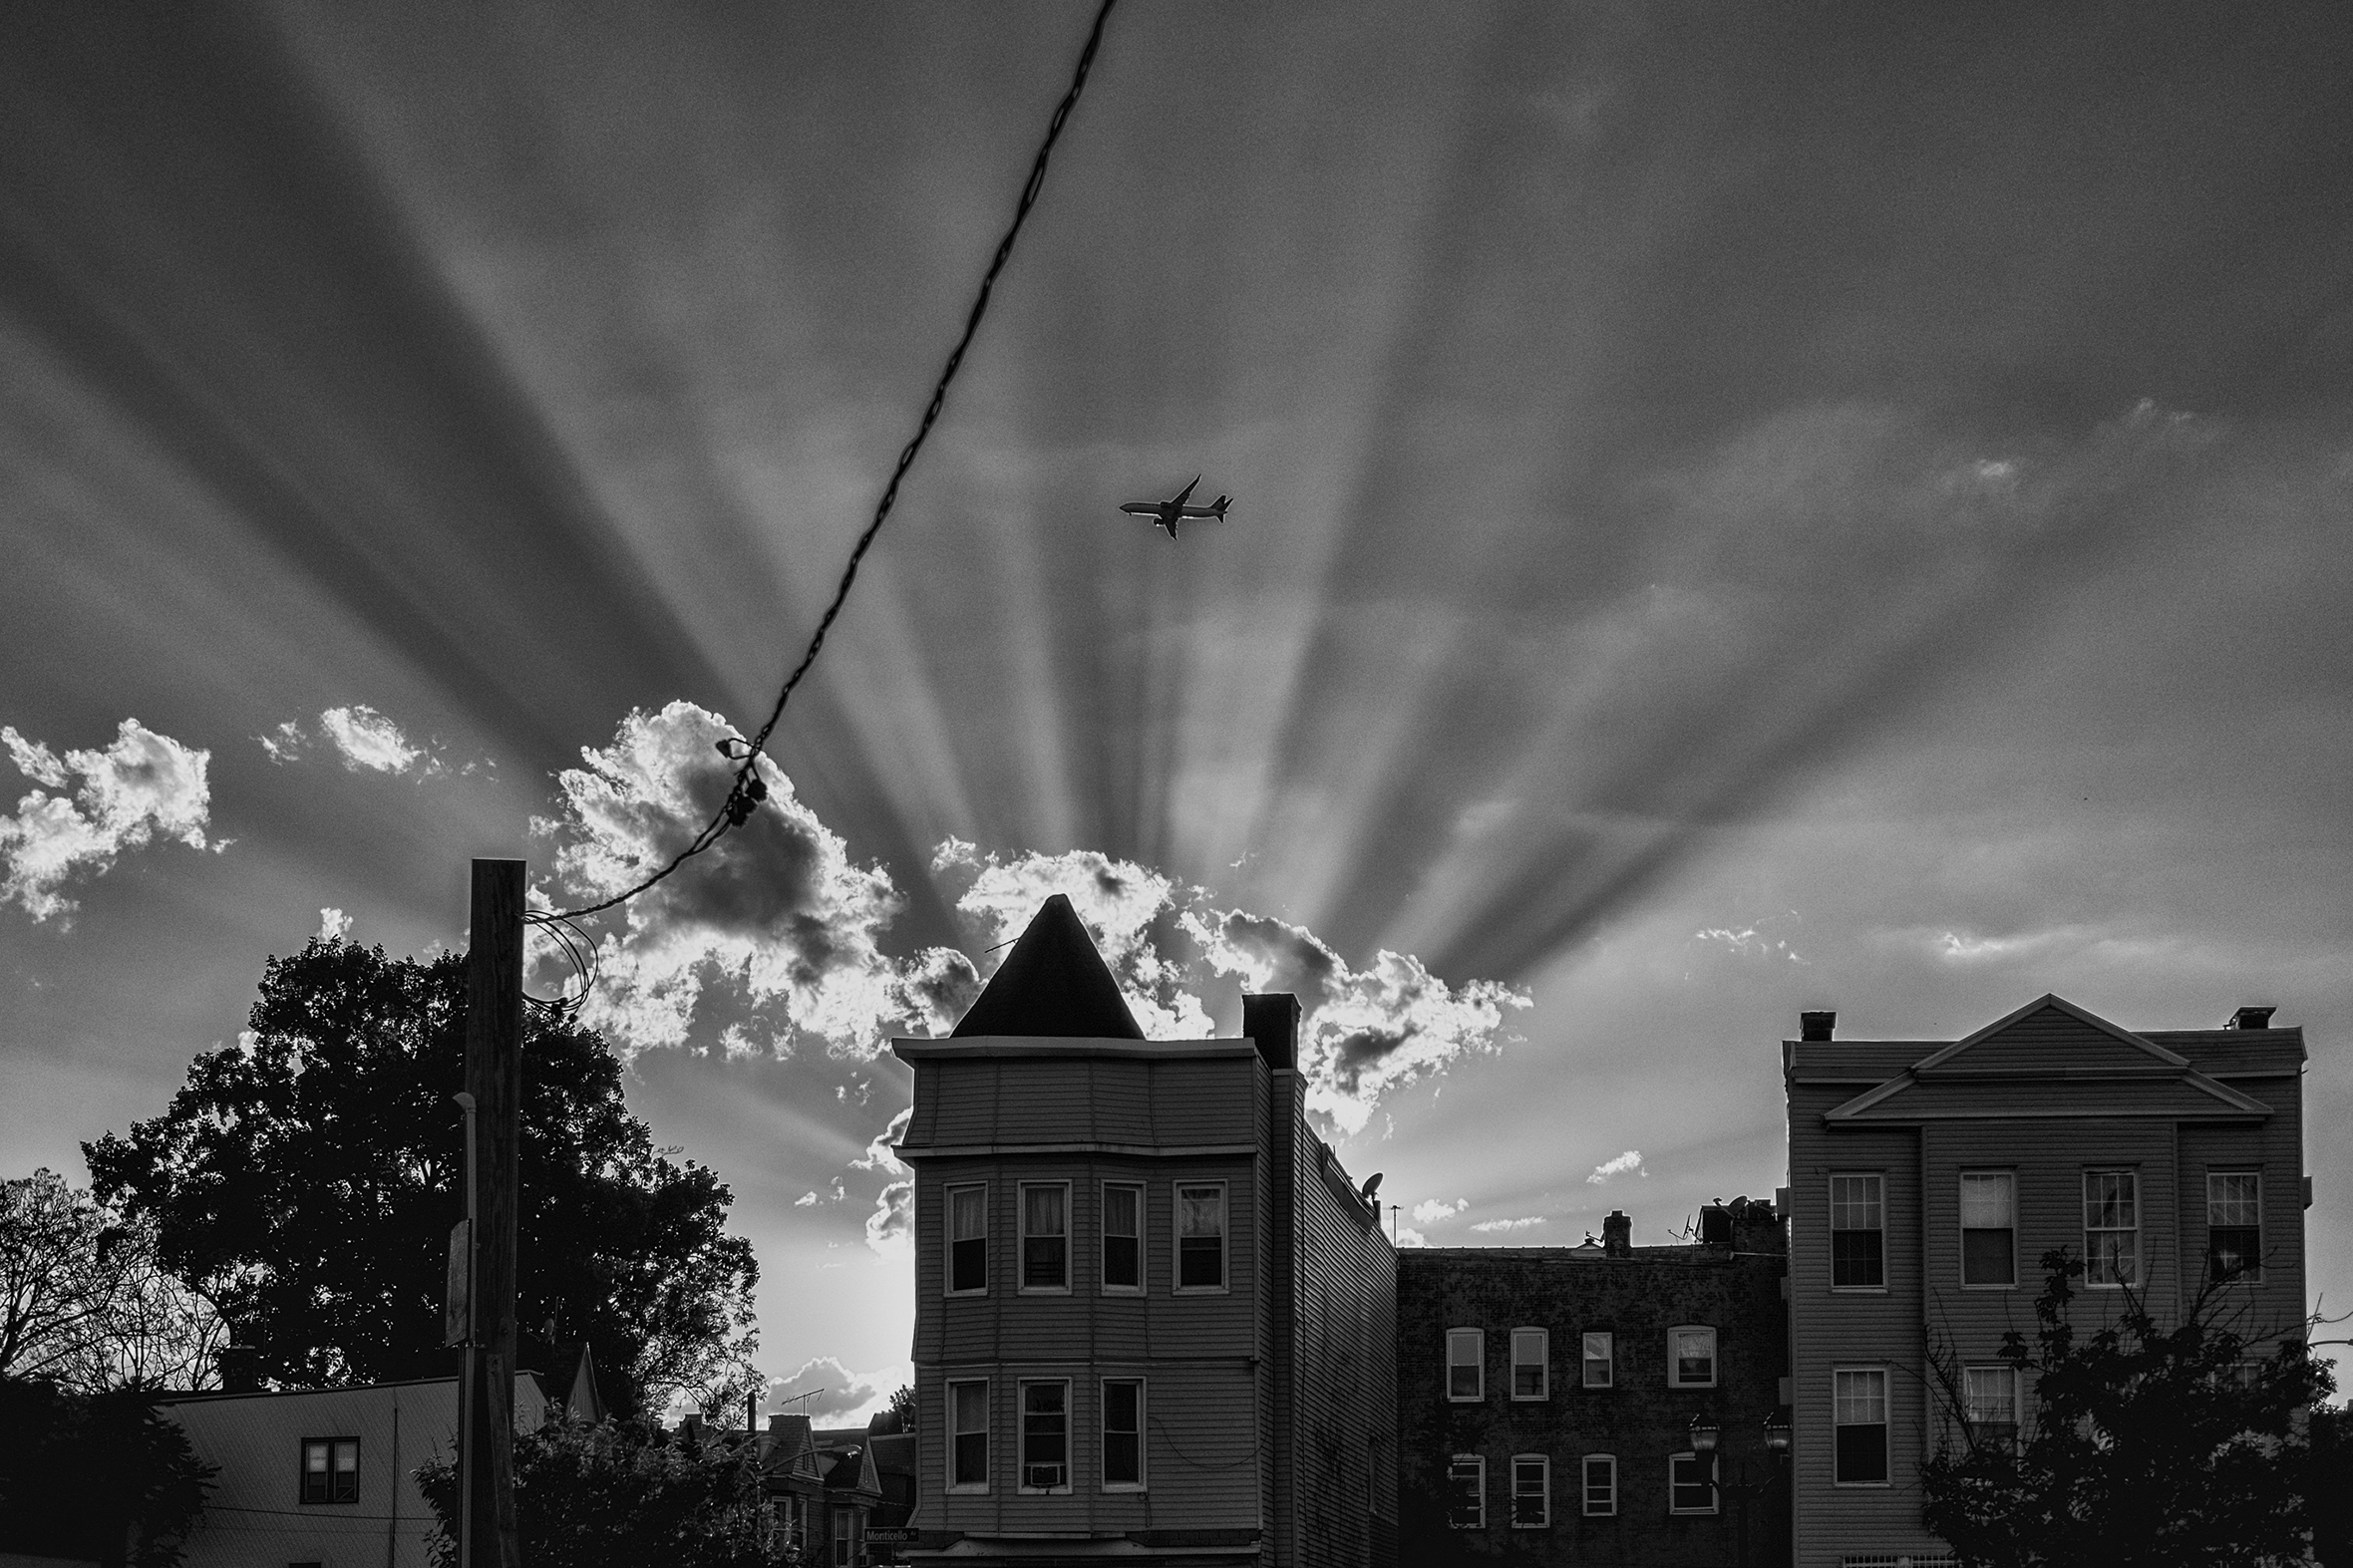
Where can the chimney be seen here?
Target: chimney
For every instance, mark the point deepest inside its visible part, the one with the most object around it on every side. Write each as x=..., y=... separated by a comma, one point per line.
x=240, y=1368
x=1817, y=1026
x=2251, y=1017
x=1273, y=1021
x=751, y=1410
x=1715, y=1227
x=1617, y=1235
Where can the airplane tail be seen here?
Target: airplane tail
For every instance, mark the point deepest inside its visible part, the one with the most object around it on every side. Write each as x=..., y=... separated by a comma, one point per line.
x=1218, y=507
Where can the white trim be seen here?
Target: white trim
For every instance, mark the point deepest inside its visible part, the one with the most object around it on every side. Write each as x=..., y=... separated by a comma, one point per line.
x=947, y=1237
x=1543, y=1365
x=2131, y=1173
x=1021, y=1284
x=1675, y=1379
x=1224, y=1283
x=987, y=1433
x=1543, y=1464
x=1886, y=1427
x=1143, y=1480
x=1103, y=1238
x=2253, y=1273
x=1608, y=1357
x=1021, y=1461
x=1478, y=1366
x=1715, y=1484
x=1608, y=1510
x=1829, y=1190
x=1457, y=1461
x=1962, y=1177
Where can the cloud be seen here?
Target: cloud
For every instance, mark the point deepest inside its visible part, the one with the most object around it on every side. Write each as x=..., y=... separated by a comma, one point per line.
x=334, y=925
x=805, y=1201
x=363, y=739
x=1431, y=1210
x=891, y=1229
x=838, y=1397
x=777, y=908
x=1407, y=1236
x=1630, y=1160
x=143, y=786
x=1525, y=1222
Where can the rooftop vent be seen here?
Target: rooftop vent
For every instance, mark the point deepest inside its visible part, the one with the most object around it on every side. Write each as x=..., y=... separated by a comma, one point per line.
x=1817, y=1026
x=2251, y=1017
x=1617, y=1235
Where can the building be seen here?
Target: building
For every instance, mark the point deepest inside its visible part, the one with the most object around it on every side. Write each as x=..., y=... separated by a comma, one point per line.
x=1548, y=1397
x=1154, y=1316
x=1927, y=1178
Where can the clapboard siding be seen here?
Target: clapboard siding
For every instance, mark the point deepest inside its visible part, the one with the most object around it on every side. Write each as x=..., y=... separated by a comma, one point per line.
x=1129, y=1098
x=2051, y=1037
x=1935, y=1097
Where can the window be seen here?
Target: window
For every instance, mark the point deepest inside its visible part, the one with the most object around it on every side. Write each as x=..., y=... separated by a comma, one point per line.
x=1123, y=1434
x=968, y=1240
x=1859, y=1232
x=1200, y=1236
x=1045, y=1235
x=1045, y=1437
x=1532, y=1491
x=1600, y=1485
x=968, y=1429
x=1858, y=1413
x=1691, y=1483
x=1691, y=1358
x=1989, y=1227
x=1599, y=1370
x=1122, y=1237
x=846, y=1538
x=2234, y=1225
x=1992, y=1395
x=330, y=1469
x=1466, y=1492
x=1531, y=1364
x=1466, y=1364
x=2112, y=1227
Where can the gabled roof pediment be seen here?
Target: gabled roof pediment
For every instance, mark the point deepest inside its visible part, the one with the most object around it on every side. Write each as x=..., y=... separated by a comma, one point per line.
x=2078, y=1063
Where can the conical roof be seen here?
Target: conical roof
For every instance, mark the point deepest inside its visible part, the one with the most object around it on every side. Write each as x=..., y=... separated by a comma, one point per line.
x=1053, y=983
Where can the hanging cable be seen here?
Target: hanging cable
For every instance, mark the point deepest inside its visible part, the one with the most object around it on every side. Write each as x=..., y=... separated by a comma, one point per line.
x=749, y=789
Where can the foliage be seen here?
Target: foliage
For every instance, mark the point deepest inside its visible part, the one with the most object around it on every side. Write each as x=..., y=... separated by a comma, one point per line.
x=307, y=1177
x=901, y=1410
x=84, y=1300
x=76, y=1468
x=622, y=1494
x=2150, y=1447
x=2328, y=1487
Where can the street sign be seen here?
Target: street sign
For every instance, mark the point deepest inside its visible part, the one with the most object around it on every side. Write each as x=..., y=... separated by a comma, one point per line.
x=888, y=1532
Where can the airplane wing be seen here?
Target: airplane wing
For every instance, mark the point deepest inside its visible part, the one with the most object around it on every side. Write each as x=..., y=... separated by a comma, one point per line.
x=1184, y=492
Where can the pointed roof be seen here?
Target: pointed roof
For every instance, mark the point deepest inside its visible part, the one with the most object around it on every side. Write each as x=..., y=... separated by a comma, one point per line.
x=1053, y=983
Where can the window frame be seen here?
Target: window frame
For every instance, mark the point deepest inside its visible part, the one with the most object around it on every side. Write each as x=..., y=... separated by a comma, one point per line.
x=849, y=1544
x=1021, y=1483
x=1960, y=1212
x=1878, y=1181
x=1022, y=1190
x=2092, y=1255
x=1675, y=1377
x=949, y=1239
x=1478, y=1366
x=2250, y=1272
x=1103, y=1233
x=1543, y=1493
x=1886, y=1425
x=1104, y=1482
x=1607, y=1360
x=1608, y=1506
x=1543, y=1365
x=1983, y=1431
x=1715, y=1484
x=1224, y=1285
x=1478, y=1465
x=988, y=1424
x=329, y=1475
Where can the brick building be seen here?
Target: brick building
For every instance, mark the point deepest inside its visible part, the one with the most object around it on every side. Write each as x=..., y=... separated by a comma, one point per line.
x=1153, y=1314
x=1546, y=1397
x=1927, y=1178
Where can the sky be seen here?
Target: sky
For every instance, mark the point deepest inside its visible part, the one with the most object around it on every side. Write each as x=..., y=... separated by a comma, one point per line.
x=1737, y=510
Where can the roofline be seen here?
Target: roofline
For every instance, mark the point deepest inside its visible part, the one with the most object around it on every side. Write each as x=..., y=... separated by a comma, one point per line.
x=2053, y=999
x=976, y=1046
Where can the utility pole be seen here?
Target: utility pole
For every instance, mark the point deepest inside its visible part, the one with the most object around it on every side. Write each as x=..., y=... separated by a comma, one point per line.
x=494, y=1081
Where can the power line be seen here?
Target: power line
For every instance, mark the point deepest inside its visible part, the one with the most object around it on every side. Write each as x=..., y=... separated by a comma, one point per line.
x=748, y=789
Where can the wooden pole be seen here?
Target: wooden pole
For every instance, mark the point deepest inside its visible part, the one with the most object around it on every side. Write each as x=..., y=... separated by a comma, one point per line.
x=493, y=1077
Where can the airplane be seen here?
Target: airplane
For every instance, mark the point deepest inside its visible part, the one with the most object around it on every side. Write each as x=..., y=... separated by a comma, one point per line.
x=1170, y=514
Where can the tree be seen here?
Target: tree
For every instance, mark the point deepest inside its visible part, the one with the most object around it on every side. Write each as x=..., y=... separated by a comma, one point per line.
x=307, y=1177
x=622, y=1494
x=2150, y=1447
x=84, y=1300
x=80, y=1474
x=900, y=1412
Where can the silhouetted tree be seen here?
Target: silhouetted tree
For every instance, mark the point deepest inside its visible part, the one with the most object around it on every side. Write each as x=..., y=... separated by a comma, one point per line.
x=91, y=1476
x=2148, y=1447
x=901, y=1408
x=622, y=1495
x=306, y=1178
x=84, y=1301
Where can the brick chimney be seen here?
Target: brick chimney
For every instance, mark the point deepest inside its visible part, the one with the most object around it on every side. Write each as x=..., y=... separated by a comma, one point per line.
x=1617, y=1235
x=2251, y=1017
x=1817, y=1026
x=1273, y=1021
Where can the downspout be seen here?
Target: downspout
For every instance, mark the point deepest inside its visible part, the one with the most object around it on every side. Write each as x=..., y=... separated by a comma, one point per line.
x=391, y=1530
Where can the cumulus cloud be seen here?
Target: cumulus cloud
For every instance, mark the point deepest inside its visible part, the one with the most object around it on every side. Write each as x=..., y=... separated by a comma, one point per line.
x=837, y=1396
x=805, y=1201
x=1407, y=1236
x=1630, y=1160
x=777, y=909
x=1525, y=1222
x=890, y=1228
x=1431, y=1210
x=334, y=925
x=362, y=739
x=143, y=786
